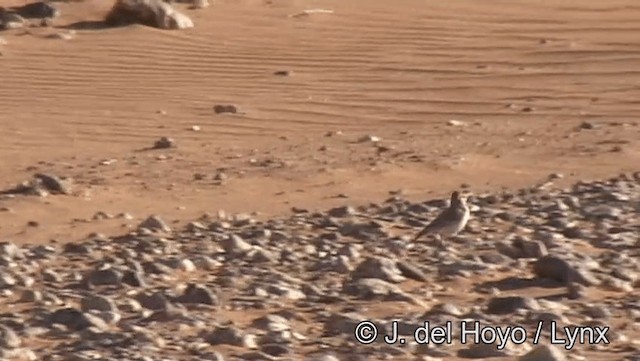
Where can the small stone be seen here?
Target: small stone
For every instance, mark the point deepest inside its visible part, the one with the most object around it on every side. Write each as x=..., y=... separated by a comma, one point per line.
x=341, y=212
x=510, y=304
x=552, y=267
x=104, y=277
x=97, y=303
x=283, y=73
x=411, y=271
x=101, y=216
x=10, y=20
x=230, y=336
x=235, y=245
x=378, y=267
x=9, y=338
x=7, y=281
x=54, y=184
x=369, y=139
x=273, y=323
x=220, y=108
x=587, y=125
x=164, y=143
x=198, y=294
x=38, y=10
x=456, y=123
x=76, y=320
x=155, y=223
x=544, y=353
x=200, y=4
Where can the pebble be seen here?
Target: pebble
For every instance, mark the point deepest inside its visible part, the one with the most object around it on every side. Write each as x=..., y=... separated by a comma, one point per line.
x=222, y=108
x=164, y=143
x=301, y=284
x=544, y=353
x=155, y=223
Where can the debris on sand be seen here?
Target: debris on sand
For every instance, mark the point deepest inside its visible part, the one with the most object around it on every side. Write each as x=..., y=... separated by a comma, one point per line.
x=164, y=143
x=41, y=185
x=37, y=10
x=154, y=13
x=369, y=139
x=63, y=35
x=11, y=20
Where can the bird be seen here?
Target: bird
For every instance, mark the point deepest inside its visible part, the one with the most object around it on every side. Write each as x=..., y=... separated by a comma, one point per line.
x=451, y=221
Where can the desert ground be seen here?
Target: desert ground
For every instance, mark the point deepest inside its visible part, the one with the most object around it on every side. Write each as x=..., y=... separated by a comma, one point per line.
x=370, y=100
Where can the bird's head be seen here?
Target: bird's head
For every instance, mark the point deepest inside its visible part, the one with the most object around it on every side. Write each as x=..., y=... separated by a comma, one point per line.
x=458, y=198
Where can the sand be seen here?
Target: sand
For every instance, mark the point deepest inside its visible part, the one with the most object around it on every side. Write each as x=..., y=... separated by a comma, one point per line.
x=522, y=77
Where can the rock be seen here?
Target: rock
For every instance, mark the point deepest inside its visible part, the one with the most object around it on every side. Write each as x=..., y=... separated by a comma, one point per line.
x=10, y=20
x=10, y=250
x=235, y=245
x=481, y=351
x=456, y=123
x=340, y=212
x=75, y=320
x=276, y=350
x=225, y=108
x=371, y=288
x=7, y=281
x=54, y=184
x=282, y=72
x=411, y=271
x=200, y=4
x=22, y=354
x=544, y=353
x=587, y=125
x=199, y=294
x=552, y=267
x=369, y=139
x=98, y=303
x=510, y=304
x=145, y=336
x=322, y=357
x=31, y=296
x=154, y=13
x=155, y=301
x=271, y=322
x=9, y=338
x=164, y=143
x=528, y=248
x=104, y=277
x=378, y=267
x=134, y=278
x=338, y=323
x=230, y=335
x=37, y=10
x=155, y=223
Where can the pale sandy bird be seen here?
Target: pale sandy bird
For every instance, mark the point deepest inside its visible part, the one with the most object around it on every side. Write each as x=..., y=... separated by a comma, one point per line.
x=451, y=221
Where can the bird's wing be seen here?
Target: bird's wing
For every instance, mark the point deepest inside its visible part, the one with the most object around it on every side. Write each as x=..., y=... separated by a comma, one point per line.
x=436, y=224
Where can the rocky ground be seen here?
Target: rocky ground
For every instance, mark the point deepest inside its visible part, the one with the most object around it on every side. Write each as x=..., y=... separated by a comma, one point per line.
x=230, y=287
